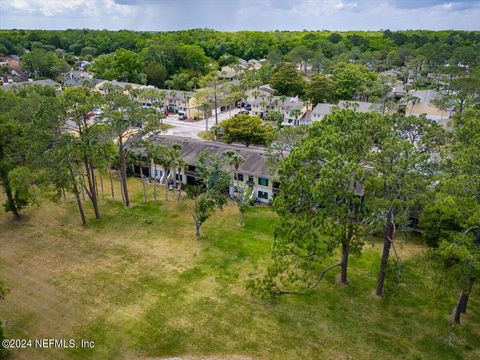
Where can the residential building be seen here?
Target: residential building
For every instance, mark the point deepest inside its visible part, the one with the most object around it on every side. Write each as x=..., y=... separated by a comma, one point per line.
x=320, y=110
x=262, y=101
x=425, y=107
x=358, y=106
x=252, y=172
x=175, y=101
x=45, y=82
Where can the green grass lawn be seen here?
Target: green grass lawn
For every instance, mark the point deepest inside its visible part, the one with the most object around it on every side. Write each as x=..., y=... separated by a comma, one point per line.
x=140, y=286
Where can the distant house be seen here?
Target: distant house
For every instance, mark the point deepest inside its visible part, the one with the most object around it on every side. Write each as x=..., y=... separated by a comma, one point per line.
x=391, y=73
x=261, y=102
x=79, y=74
x=320, y=110
x=229, y=72
x=253, y=172
x=254, y=64
x=243, y=63
x=46, y=82
x=83, y=64
x=359, y=106
x=175, y=101
x=79, y=78
x=425, y=107
x=13, y=62
x=399, y=91
x=6, y=80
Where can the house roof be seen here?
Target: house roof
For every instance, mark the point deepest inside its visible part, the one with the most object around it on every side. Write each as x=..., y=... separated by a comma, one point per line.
x=266, y=88
x=427, y=109
x=255, y=157
x=391, y=73
x=322, y=109
x=399, y=89
x=46, y=82
x=425, y=96
x=361, y=106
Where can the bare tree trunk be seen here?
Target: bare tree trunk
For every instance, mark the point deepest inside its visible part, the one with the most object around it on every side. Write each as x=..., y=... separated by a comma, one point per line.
x=461, y=305
x=155, y=182
x=179, y=185
x=197, y=226
x=123, y=173
x=121, y=188
x=167, y=174
x=77, y=195
x=111, y=185
x=345, y=253
x=466, y=294
x=387, y=244
x=344, y=263
x=92, y=194
x=142, y=178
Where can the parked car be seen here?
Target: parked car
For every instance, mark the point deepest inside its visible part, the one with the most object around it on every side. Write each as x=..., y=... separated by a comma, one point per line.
x=248, y=107
x=182, y=117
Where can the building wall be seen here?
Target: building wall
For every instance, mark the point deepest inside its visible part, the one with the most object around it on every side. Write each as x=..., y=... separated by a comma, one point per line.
x=268, y=189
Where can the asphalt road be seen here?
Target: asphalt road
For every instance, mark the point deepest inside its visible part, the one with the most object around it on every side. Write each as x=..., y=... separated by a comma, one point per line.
x=192, y=128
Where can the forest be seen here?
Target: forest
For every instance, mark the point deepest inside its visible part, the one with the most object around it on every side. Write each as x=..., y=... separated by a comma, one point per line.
x=172, y=59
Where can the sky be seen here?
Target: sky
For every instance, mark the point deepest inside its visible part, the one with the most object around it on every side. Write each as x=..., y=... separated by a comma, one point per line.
x=234, y=15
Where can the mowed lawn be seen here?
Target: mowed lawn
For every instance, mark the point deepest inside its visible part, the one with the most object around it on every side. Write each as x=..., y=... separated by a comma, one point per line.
x=140, y=286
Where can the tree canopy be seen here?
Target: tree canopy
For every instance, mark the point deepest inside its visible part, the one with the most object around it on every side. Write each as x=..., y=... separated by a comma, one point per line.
x=245, y=129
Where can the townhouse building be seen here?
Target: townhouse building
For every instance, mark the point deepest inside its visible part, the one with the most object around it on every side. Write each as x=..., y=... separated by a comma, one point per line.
x=253, y=172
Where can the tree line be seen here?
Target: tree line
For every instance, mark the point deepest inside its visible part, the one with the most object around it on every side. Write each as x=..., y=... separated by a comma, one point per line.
x=177, y=58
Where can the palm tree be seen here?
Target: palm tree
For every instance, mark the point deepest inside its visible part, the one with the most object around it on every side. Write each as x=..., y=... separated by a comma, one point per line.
x=153, y=154
x=175, y=157
x=234, y=159
x=180, y=164
x=296, y=114
x=164, y=160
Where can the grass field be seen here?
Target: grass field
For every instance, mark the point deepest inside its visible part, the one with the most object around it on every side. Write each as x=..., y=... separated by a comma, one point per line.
x=140, y=286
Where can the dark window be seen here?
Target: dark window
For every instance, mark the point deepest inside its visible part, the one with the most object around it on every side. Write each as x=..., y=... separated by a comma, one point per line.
x=262, y=181
x=276, y=185
x=263, y=195
x=179, y=177
x=238, y=176
x=191, y=168
x=250, y=179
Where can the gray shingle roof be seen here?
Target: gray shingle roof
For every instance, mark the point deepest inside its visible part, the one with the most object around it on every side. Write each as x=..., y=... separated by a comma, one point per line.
x=322, y=109
x=425, y=95
x=255, y=157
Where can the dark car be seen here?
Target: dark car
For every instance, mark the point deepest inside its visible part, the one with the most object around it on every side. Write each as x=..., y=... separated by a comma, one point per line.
x=248, y=107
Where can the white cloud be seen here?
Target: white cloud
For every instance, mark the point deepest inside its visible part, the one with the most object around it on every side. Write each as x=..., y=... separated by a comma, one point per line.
x=53, y=8
x=233, y=15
